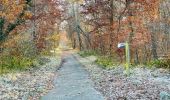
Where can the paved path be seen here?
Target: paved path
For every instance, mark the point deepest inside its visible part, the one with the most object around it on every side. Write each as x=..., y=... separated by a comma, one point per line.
x=73, y=83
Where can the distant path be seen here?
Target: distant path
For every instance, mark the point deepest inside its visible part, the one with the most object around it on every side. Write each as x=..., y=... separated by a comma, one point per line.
x=72, y=83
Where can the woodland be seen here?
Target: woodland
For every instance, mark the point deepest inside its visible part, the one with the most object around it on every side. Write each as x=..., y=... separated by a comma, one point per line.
x=33, y=29
x=99, y=25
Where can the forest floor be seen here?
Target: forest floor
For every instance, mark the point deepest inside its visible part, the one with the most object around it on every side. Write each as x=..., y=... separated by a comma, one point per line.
x=77, y=75
x=142, y=84
x=30, y=84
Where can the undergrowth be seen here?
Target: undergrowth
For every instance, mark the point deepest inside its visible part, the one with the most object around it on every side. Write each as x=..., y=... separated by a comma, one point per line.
x=9, y=63
x=22, y=57
x=87, y=53
x=13, y=63
x=109, y=62
x=105, y=62
x=164, y=63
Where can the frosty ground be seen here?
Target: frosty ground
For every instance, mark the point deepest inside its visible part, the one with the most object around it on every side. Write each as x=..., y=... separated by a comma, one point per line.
x=142, y=84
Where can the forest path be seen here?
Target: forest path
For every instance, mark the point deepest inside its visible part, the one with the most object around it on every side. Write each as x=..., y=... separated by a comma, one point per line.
x=72, y=82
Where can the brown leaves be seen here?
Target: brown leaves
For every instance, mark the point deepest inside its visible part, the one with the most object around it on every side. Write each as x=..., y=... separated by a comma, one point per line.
x=10, y=9
x=129, y=18
x=45, y=15
x=28, y=15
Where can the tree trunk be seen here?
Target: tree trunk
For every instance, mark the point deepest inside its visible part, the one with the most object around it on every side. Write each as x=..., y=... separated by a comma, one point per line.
x=136, y=57
x=154, y=46
x=111, y=29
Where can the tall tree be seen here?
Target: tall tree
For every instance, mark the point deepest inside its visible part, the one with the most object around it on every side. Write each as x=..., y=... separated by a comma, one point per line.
x=12, y=14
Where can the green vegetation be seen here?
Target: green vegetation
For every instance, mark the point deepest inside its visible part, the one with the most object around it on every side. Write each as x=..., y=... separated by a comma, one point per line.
x=105, y=62
x=110, y=62
x=160, y=63
x=21, y=56
x=87, y=53
x=15, y=63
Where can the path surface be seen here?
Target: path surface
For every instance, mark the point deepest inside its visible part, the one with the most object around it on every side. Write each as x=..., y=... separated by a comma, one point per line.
x=72, y=83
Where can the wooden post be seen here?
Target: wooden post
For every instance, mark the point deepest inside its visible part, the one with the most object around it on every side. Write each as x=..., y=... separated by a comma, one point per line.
x=127, y=58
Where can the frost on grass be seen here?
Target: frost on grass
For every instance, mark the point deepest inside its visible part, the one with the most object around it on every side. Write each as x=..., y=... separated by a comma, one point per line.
x=142, y=84
x=28, y=85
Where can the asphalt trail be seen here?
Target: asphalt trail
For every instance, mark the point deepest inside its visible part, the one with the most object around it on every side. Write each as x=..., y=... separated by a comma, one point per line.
x=72, y=83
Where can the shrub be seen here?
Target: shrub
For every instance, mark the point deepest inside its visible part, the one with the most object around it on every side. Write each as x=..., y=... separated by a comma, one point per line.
x=46, y=52
x=18, y=57
x=160, y=63
x=105, y=62
x=27, y=49
x=15, y=63
x=87, y=53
